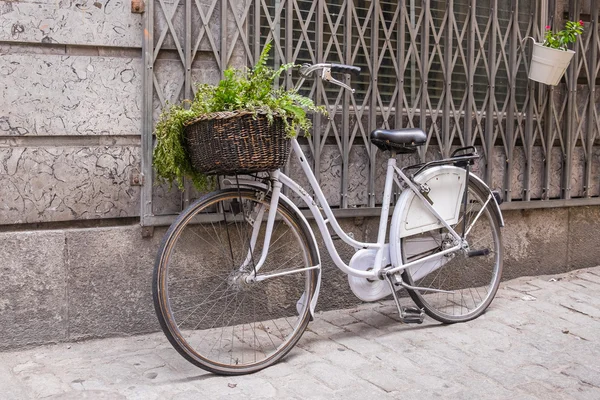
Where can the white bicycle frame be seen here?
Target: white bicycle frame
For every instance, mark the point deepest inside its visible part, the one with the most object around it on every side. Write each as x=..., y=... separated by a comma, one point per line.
x=279, y=179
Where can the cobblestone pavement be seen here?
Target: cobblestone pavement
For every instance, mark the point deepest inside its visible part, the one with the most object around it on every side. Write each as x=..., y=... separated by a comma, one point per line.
x=540, y=339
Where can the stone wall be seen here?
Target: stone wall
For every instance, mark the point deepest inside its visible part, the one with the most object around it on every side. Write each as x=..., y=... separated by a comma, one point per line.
x=70, y=122
x=73, y=284
x=70, y=126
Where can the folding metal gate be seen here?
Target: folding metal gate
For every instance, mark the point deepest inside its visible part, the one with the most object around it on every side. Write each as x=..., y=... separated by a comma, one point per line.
x=456, y=68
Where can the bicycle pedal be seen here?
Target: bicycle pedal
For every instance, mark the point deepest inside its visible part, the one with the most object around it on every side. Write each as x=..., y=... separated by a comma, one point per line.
x=412, y=315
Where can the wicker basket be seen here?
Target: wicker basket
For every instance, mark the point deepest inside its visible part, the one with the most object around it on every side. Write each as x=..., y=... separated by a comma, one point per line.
x=228, y=143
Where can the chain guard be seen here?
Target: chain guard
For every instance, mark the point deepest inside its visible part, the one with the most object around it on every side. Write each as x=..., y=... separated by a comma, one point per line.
x=366, y=289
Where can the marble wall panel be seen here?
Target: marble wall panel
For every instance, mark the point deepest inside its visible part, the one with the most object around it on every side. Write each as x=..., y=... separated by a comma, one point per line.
x=166, y=200
x=518, y=172
x=358, y=172
x=536, y=182
x=331, y=174
x=83, y=22
x=69, y=95
x=556, y=165
x=536, y=179
x=595, y=181
x=295, y=172
x=577, y=172
x=111, y=23
x=404, y=160
x=67, y=183
x=518, y=166
x=498, y=161
x=358, y=177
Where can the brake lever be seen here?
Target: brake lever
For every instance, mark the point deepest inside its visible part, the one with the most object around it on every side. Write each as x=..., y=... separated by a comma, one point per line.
x=326, y=76
x=305, y=70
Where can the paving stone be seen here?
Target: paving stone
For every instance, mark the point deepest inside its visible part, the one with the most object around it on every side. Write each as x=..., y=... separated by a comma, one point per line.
x=522, y=287
x=370, y=392
x=395, y=361
x=346, y=358
x=368, y=331
x=582, y=393
x=317, y=344
x=307, y=387
x=384, y=378
x=335, y=379
x=583, y=374
x=520, y=349
x=586, y=283
x=375, y=318
x=338, y=318
x=358, y=344
x=45, y=384
x=589, y=276
x=540, y=390
x=12, y=388
x=88, y=395
x=282, y=370
x=252, y=386
x=324, y=328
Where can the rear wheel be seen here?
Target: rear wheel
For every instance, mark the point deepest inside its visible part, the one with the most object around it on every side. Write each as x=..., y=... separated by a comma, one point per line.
x=469, y=277
x=210, y=312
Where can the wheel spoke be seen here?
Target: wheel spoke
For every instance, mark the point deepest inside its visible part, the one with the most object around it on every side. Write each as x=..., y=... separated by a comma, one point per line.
x=464, y=276
x=206, y=306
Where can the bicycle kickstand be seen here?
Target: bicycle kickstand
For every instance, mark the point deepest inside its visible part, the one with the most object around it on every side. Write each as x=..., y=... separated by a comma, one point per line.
x=408, y=315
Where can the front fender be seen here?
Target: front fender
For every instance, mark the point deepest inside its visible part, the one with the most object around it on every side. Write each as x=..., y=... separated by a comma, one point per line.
x=283, y=198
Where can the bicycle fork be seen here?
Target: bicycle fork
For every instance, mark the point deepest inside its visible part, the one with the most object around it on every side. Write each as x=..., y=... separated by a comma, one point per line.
x=257, y=222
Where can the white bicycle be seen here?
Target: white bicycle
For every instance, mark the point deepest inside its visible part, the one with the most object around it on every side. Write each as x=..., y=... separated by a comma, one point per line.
x=238, y=273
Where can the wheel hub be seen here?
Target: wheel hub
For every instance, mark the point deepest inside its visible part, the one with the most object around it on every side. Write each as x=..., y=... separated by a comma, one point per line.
x=239, y=280
x=447, y=243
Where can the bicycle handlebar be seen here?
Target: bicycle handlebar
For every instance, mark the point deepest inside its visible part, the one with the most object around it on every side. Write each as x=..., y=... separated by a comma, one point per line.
x=326, y=70
x=346, y=69
x=307, y=69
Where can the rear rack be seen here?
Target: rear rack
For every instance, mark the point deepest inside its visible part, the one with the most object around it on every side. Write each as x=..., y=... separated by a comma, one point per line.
x=468, y=157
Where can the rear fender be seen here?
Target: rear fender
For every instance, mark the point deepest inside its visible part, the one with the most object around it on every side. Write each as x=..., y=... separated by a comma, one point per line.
x=495, y=206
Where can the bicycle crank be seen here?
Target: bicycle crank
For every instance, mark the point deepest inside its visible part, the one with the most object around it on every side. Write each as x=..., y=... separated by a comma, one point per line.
x=408, y=315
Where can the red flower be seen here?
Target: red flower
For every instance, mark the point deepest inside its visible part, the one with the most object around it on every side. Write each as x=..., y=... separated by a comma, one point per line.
x=581, y=22
x=547, y=27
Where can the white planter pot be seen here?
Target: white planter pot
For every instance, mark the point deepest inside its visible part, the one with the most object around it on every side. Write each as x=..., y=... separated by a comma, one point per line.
x=548, y=65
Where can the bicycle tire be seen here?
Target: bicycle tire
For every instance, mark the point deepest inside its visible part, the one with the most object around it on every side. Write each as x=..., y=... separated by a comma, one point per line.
x=251, y=325
x=463, y=272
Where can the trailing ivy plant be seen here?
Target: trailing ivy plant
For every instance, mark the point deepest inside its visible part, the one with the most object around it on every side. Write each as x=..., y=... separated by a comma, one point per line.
x=244, y=90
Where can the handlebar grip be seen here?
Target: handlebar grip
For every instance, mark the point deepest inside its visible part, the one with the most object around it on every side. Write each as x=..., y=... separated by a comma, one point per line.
x=345, y=69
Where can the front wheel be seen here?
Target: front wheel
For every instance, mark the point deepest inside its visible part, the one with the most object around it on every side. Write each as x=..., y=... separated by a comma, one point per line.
x=210, y=311
x=469, y=277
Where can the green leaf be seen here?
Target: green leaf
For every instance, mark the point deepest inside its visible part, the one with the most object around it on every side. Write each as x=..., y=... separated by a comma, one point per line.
x=240, y=89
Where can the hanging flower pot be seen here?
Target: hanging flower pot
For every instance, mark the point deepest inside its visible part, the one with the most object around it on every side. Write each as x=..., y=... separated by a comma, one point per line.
x=548, y=65
x=550, y=59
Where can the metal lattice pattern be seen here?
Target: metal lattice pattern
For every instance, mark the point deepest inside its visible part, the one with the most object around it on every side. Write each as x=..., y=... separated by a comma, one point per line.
x=455, y=68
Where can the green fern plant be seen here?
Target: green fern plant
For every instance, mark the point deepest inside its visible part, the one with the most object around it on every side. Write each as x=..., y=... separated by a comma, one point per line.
x=248, y=90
